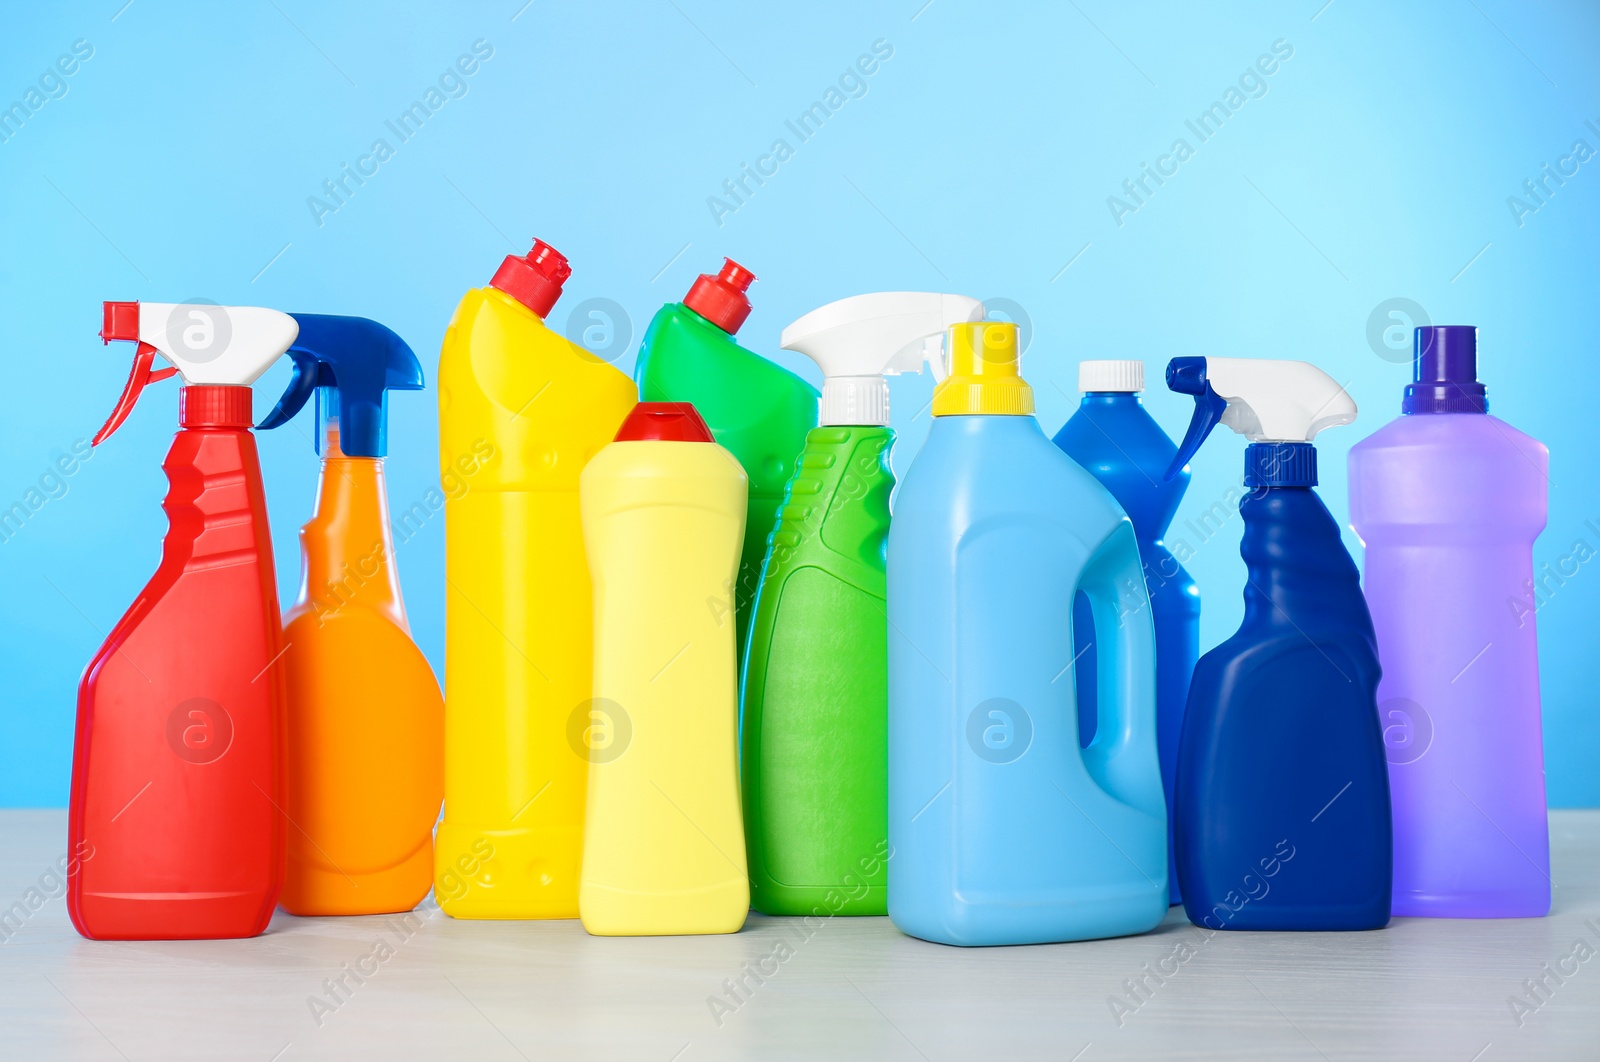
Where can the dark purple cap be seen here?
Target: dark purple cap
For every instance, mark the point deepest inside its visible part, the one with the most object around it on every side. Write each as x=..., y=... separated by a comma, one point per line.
x=1444, y=367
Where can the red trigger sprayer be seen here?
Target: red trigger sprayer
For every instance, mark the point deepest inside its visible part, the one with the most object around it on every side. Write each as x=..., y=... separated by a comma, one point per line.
x=177, y=764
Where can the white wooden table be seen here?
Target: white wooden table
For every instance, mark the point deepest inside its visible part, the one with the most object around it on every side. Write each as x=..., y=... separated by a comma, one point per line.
x=847, y=989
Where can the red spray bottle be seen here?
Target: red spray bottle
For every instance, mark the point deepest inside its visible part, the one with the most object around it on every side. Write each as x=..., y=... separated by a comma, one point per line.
x=177, y=765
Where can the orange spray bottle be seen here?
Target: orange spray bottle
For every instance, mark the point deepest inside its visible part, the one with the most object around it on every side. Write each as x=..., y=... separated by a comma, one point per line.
x=365, y=754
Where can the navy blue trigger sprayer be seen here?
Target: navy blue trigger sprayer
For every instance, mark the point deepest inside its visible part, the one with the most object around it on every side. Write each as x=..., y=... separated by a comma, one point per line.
x=1281, y=813
x=354, y=363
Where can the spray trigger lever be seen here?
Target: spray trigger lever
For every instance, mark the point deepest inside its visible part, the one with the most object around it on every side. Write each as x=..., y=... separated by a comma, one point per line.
x=309, y=374
x=143, y=372
x=1188, y=376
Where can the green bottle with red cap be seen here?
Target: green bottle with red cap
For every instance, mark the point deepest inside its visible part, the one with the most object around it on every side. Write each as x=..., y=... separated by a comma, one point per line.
x=756, y=409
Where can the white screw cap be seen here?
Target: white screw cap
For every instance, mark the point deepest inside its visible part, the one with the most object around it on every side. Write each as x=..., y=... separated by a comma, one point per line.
x=854, y=400
x=1111, y=376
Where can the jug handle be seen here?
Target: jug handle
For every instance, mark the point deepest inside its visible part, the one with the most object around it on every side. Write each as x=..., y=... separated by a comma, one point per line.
x=1122, y=757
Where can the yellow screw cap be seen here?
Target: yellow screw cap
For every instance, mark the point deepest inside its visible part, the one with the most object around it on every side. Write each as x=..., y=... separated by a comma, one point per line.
x=983, y=373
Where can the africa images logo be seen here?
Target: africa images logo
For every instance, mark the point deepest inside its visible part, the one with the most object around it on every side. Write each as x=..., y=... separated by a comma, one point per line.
x=198, y=331
x=599, y=730
x=999, y=730
x=199, y=730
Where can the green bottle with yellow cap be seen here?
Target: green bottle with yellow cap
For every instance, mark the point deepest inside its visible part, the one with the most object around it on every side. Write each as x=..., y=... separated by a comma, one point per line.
x=1002, y=829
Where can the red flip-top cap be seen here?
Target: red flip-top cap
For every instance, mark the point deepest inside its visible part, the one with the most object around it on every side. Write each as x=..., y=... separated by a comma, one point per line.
x=666, y=422
x=534, y=279
x=721, y=299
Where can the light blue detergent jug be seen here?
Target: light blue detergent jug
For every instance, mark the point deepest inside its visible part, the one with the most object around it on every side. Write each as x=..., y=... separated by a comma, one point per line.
x=1002, y=829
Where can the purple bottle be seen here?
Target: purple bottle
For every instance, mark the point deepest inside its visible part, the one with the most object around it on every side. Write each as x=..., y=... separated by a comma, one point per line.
x=1448, y=501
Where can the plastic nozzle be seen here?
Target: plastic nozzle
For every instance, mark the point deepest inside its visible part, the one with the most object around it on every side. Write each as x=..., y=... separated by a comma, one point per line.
x=121, y=321
x=1444, y=372
x=984, y=376
x=534, y=279
x=858, y=341
x=1265, y=400
x=356, y=362
x=210, y=345
x=721, y=299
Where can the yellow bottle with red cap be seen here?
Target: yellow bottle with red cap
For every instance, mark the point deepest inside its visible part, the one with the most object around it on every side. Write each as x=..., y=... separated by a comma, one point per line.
x=663, y=520
x=521, y=411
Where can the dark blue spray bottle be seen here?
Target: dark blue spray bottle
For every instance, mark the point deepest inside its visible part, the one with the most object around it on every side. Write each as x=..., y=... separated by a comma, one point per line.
x=1282, y=810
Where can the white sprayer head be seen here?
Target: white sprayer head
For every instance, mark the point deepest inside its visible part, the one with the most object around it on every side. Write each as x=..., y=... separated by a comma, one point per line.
x=204, y=343
x=1265, y=400
x=210, y=344
x=858, y=341
x=1278, y=401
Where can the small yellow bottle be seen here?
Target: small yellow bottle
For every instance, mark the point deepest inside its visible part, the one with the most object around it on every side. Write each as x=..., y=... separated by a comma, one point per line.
x=521, y=411
x=663, y=522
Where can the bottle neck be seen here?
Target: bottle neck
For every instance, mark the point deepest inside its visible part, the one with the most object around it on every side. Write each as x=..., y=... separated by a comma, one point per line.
x=1424, y=398
x=1444, y=372
x=853, y=401
x=214, y=406
x=1094, y=399
x=347, y=546
x=703, y=319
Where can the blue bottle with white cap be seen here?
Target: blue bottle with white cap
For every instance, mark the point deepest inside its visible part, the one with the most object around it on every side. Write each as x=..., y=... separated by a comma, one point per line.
x=1114, y=437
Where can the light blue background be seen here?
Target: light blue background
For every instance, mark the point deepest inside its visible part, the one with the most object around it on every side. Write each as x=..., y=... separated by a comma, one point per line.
x=1377, y=165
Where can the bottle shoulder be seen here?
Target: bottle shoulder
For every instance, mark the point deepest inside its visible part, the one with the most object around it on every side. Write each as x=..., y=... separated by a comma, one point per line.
x=1459, y=437
x=371, y=630
x=496, y=348
x=1253, y=645
x=1125, y=449
x=755, y=407
x=1258, y=651
x=1113, y=431
x=655, y=459
x=683, y=354
x=972, y=468
x=509, y=382
x=1464, y=472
